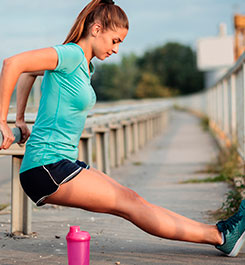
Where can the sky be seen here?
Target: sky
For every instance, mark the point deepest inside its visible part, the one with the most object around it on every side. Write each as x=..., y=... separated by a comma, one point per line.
x=32, y=24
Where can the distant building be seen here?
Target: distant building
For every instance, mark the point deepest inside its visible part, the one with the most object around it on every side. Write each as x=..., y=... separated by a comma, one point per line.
x=215, y=55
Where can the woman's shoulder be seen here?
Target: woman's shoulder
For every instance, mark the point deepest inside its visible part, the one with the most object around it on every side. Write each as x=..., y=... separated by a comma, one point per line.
x=69, y=47
x=70, y=56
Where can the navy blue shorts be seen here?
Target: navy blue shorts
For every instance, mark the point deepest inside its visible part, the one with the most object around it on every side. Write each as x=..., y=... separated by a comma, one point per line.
x=40, y=182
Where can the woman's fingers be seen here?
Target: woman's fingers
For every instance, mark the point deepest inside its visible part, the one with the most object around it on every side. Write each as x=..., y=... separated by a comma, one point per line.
x=25, y=132
x=8, y=136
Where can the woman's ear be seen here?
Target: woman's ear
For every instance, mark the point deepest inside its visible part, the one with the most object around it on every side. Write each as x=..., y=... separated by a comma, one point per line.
x=95, y=29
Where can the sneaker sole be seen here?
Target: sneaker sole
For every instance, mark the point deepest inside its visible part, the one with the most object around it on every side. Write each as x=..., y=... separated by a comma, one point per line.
x=237, y=246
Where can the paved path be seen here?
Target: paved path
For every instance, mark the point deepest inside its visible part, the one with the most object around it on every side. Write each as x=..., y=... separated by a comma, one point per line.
x=155, y=173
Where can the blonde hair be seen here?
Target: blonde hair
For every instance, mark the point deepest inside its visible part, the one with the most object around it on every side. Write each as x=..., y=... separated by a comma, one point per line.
x=109, y=15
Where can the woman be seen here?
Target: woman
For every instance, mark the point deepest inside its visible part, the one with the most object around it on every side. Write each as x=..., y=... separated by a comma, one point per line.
x=50, y=172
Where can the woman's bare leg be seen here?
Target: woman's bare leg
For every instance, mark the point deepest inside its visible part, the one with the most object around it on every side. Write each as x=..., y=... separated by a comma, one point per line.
x=94, y=191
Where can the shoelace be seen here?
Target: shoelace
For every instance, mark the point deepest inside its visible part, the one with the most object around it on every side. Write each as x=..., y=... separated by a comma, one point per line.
x=230, y=223
x=242, y=206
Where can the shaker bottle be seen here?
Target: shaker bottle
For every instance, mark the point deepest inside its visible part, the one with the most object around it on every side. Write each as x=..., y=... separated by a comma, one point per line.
x=78, y=246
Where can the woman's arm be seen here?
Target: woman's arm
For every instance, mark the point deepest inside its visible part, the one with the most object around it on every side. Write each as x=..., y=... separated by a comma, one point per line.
x=13, y=67
x=24, y=86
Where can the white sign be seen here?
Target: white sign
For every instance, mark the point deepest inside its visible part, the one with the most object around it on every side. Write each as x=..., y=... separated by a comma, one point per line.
x=215, y=52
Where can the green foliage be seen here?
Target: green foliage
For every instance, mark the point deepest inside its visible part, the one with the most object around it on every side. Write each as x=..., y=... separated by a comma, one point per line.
x=126, y=81
x=137, y=163
x=219, y=178
x=149, y=86
x=227, y=163
x=228, y=168
x=232, y=202
x=116, y=81
x=175, y=65
x=205, y=123
x=104, y=82
x=3, y=206
x=231, y=205
x=165, y=71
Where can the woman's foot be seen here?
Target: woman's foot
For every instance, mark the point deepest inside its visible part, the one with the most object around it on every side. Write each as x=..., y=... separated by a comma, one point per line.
x=233, y=230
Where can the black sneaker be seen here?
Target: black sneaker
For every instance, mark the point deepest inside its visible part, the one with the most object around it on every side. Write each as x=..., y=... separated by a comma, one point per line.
x=233, y=230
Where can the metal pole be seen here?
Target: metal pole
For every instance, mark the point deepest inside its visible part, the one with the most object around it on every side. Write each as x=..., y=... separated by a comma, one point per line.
x=17, y=135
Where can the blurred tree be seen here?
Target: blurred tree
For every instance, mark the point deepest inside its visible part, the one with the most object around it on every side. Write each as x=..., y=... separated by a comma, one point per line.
x=149, y=86
x=161, y=72
x=104, y=82
x=116, y=81
x=126, y=80
x=175, y=65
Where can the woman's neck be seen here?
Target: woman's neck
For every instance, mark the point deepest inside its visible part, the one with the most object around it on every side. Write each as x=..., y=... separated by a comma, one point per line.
x=87, y=49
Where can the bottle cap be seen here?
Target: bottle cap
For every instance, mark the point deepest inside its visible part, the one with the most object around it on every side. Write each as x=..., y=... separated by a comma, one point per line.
x=75, y=234
x=74, y=229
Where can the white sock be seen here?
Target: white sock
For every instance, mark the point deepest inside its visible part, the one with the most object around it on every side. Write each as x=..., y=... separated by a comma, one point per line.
x=223, y=238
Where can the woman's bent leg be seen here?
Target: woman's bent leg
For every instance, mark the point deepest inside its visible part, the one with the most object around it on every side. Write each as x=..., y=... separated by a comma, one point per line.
x=94, y=191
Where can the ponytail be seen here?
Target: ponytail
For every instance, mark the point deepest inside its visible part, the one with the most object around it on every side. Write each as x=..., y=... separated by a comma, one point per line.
x=108, y=14
x=76, y=31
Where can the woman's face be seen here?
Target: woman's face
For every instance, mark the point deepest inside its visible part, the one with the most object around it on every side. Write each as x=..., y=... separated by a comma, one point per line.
x=107, y=42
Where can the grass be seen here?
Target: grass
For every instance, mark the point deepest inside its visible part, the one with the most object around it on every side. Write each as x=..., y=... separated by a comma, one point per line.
x=3, y=206
x=179, y=108
x=219, y=178
x=228, y=163
x=137, y=163
x=227, y=167
x=204, y=122
x=230, y=206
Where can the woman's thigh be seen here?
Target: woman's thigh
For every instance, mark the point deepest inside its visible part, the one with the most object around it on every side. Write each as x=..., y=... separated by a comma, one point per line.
x=94, y=191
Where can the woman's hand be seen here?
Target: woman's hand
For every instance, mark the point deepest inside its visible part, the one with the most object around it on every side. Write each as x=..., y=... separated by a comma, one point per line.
x=8, y=136
x=25, y=132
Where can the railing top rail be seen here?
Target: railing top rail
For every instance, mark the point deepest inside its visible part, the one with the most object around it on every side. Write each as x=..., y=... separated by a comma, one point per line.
x=128, y=110
x=232, y=70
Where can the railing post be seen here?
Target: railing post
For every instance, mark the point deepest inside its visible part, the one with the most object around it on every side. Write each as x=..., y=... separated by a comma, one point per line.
x=164, y=119
x=121, y=137
x=145, y=130
x=115, y=145
x=148, y=128
x=155, y=125
x=211, y=105
x=240, y=105
x=158, y=123
x=216, y=120
x=135, y=133
x=127, y=138
x=102, y=149
x=233, y=110
x=141, y=133
x=226, y=108
x=85, y=148
x=149, y=118
x=243, y=110
x=21, y=205
x=151, y=127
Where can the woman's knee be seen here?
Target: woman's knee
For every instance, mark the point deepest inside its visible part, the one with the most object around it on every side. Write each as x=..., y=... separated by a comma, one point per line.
x=126, y=202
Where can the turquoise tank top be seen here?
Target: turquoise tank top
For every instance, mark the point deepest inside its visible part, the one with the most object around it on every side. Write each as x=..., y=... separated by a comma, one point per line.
x=67, y=95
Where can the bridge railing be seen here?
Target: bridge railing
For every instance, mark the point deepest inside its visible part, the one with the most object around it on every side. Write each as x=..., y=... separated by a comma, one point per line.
x=111, y=135
x=224, y=104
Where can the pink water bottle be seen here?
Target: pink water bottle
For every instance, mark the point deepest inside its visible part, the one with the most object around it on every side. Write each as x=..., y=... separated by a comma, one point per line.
x=78, y=246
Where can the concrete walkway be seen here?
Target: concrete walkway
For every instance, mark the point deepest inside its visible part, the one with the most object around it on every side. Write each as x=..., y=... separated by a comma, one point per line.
x=155, y=173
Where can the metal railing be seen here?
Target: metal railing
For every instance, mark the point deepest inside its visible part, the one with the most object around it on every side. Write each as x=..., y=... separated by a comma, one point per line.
x=224, y=104
x=110, y=136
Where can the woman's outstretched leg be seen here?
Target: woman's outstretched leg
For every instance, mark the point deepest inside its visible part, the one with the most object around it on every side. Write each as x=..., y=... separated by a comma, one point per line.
x=94, y=191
